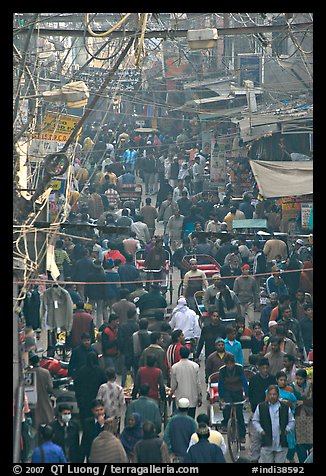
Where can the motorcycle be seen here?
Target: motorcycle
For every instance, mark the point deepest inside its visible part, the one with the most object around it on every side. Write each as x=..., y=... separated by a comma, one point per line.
x=63, y=386
x=57, y=368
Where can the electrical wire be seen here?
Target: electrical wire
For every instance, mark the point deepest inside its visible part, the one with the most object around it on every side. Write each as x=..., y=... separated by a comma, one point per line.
x=101, y=58
x=140, y=46
x=108, y=32
x=124, y=114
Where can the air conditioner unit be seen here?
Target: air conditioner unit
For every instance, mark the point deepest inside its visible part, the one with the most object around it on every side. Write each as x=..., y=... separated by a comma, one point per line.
x=205, y=38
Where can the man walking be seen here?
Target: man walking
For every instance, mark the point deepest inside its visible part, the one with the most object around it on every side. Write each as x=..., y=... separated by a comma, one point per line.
x=273, y=420
x=245, y=289
x=185, y=380
x=149, y=214
x=179, y=430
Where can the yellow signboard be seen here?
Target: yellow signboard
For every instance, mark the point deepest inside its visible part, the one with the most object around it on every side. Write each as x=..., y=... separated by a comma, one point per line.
x=60, y=123
x=57, y=127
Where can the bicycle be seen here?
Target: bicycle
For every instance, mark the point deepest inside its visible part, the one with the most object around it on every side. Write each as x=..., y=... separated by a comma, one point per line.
x=234, y=440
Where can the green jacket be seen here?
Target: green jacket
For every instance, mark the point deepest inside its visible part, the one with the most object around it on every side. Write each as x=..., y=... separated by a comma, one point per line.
x=148, y=410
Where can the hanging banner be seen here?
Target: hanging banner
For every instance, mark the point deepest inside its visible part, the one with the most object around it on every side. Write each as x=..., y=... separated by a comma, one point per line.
x=218, y=166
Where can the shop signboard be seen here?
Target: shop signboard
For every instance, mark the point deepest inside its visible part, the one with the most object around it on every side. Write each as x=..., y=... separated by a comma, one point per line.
x=58, y=185
x=55, y=131
x=290, y=209
x=60, y=124
x=306, y=211
x=250, y=67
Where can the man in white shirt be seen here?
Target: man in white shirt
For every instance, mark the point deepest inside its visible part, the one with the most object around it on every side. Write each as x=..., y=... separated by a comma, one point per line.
x=185, y=380
x=213, y=225
x=177, y=192
x=142, y=232
x=198, y=171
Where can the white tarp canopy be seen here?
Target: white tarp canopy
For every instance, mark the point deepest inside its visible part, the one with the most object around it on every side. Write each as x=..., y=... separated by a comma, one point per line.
x=283, y=179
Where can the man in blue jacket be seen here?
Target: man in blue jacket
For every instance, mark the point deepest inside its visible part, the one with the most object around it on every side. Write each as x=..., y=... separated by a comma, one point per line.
x=179, y=430
x=48, y=452
x=232, y=384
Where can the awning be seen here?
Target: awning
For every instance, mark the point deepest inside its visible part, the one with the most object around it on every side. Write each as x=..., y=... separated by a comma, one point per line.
x=283, y=179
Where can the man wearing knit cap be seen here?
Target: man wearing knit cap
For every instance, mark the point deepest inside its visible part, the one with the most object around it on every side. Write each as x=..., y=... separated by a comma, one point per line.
x=245, y=289
x=204, y=451
x=215, y=360
x=215, y=436
x=112, y=289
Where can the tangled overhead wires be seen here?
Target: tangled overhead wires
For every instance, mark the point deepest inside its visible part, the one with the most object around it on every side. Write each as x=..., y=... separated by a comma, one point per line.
x=143, y=23
x=117, y=48
x=108, y=32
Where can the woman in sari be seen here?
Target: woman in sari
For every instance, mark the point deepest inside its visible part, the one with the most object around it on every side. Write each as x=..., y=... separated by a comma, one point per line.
x=303, y=414
x=287, y=396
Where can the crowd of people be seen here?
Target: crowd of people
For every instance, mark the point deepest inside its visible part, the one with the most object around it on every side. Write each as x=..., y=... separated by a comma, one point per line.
x=116, y=337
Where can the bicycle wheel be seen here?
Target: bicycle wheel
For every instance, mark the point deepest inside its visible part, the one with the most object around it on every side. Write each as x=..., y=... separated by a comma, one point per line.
x=233, y=439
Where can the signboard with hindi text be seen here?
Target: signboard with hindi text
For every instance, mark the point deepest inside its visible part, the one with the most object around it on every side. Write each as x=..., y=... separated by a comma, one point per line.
x=54, y=132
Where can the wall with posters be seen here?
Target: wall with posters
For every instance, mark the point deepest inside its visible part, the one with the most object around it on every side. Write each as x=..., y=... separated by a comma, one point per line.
x=299, y=209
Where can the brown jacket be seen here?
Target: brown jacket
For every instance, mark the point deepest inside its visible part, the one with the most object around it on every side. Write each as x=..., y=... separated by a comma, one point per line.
x=107, y=448
x=150, y=214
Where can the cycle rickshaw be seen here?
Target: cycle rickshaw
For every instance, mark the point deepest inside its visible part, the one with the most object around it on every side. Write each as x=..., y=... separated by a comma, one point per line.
x=205, y=263
x=215, y=414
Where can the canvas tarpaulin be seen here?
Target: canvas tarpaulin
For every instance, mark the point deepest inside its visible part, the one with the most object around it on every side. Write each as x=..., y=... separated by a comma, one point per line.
x=283, y=179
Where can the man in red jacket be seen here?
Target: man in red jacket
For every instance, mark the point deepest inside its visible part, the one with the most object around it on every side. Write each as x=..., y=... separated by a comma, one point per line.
x=110, y=342
x=82, y=322
x=153, y=376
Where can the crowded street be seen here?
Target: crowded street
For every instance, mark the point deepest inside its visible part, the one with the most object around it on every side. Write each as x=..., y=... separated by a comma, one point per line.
x=163, y=239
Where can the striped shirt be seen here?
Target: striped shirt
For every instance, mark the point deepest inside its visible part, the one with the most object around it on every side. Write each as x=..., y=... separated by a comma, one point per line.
x=113, y=197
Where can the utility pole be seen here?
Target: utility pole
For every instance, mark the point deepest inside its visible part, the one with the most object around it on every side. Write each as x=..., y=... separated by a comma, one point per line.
x=18, y=381
x=170, y=34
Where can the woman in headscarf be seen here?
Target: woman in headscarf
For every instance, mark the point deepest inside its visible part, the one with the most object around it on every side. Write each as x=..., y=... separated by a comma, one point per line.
x=227, y=303
x=131, y=434
x=303, y=414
